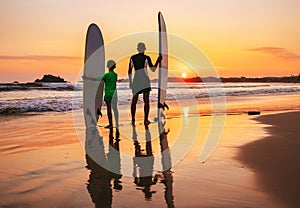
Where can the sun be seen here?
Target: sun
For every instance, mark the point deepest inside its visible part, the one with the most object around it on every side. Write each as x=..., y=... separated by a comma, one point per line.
x=183, y=75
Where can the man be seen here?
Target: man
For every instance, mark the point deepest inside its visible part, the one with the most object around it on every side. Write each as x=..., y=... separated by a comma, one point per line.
x=140, y=84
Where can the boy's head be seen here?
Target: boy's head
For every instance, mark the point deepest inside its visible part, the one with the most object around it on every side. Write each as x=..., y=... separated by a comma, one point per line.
x=111, y=64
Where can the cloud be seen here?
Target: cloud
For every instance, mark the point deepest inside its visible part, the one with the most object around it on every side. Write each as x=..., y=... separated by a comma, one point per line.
x=41, y=58
x=278, y=52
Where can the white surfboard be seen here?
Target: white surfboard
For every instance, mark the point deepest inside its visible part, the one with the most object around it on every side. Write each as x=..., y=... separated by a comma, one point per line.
x=94, y=66
x=163, y=66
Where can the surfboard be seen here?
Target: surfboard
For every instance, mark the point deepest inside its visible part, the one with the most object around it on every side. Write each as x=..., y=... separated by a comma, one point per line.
x=163, y=66
x=94, y=66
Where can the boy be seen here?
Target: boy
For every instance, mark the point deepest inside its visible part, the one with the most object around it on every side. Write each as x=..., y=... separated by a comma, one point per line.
x=110, y=97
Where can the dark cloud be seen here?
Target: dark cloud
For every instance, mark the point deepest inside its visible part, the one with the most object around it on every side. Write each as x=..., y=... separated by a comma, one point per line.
x=279, y=52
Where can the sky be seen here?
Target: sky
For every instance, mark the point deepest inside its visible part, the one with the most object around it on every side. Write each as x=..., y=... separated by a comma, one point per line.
x=241, y=38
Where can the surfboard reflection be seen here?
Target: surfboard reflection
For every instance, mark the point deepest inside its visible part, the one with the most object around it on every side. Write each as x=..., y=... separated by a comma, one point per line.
x=104, y=169
x=167, y=173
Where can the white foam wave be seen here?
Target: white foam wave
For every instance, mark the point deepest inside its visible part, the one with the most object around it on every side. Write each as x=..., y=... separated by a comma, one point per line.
x=39, y=100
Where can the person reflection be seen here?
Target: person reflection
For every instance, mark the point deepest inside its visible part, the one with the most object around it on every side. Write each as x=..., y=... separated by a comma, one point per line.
x=143, y=165
x=114, y=160
x=103, y=168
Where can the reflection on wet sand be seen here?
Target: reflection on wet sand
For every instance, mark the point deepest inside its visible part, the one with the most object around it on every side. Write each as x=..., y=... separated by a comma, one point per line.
x=143, y=165
x=105, y=168
x=143, y=172
x=167, y=178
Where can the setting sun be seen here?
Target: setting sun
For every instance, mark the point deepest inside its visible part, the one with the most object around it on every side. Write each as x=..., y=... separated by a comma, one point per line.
x=183, y=75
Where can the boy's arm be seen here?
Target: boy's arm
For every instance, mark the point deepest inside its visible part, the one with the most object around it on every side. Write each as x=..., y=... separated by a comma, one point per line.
x=89, y=78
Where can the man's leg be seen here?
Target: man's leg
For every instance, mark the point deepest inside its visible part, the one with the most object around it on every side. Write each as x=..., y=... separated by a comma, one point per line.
x=133, y=107
x=109, y=114
x=146, y=107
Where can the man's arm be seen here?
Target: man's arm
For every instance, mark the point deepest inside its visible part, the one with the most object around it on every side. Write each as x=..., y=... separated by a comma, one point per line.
x=153, y=67
x=130, y=73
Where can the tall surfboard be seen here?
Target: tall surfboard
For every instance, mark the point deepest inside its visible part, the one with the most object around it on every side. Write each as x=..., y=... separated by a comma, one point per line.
x=94, y=66
x=163, y=66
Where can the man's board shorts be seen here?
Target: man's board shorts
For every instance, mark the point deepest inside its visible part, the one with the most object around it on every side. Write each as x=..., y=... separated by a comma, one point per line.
x=141, y=81
x=148, y=89
x=140, y=86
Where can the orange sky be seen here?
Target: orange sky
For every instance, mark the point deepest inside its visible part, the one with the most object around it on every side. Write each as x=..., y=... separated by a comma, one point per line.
x=241, y=38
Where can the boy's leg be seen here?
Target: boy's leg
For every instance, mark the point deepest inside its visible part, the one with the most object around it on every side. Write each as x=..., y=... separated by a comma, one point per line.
x=133, y=107
x=109, y=114
x=146, y=107
x=116, y=115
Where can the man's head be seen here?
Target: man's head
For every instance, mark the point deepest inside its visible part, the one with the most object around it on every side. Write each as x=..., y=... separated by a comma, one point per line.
x=141, y=47
x=111, y=64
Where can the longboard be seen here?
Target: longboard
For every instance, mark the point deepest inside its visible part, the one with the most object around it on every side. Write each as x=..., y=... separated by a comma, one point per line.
x=94, y=66
x=163, y=67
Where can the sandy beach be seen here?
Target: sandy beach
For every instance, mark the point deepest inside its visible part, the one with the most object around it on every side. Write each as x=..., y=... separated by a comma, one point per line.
x=222, y=81
x=275, y=159
x=255, y=164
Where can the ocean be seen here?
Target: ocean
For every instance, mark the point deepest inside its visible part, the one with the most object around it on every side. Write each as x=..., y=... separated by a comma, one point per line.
x=21, y=98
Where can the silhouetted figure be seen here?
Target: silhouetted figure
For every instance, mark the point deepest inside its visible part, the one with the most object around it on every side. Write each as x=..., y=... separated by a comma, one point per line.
x=109, y=79
x=140, y=84
x=143, y=166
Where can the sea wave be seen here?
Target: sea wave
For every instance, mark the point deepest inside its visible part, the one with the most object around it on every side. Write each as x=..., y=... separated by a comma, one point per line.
x=36, y=105
x=39, y=86
x=59, y=96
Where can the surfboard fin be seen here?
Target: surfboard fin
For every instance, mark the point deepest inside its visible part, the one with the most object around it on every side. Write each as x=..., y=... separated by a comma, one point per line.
x=166, y=106
x=163, y=106
x=99, y=113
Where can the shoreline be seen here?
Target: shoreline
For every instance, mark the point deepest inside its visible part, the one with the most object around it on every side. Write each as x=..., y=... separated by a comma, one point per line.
x=203, y=106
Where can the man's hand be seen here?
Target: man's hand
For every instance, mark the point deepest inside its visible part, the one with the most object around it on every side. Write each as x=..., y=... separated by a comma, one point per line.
x=159, y=58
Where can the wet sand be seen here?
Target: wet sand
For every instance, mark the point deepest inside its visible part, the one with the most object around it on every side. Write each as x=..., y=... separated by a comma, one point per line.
x=275, y=159
x=43, y=164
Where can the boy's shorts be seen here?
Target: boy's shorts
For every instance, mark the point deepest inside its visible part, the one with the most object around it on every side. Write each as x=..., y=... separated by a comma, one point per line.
x=111, y=98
